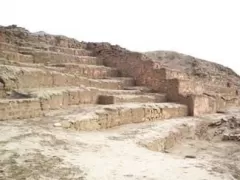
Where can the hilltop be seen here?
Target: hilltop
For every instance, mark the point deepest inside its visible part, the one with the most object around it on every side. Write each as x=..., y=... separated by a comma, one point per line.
x=194, y=66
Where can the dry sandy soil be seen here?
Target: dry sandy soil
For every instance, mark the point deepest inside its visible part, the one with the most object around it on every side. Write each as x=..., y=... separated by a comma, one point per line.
x=35, y=149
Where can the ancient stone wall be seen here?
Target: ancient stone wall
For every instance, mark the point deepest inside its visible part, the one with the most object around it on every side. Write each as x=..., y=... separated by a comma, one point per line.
x=21, y=108
x=144, y=70
x=198, y=94
x=179, y=86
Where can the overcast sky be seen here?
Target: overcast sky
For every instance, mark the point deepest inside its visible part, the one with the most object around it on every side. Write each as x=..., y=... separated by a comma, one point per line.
x=209, y=29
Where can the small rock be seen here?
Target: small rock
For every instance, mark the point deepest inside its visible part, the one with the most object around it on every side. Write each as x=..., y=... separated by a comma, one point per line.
x=166, y=151
x=215, y=123
x=57, y=125
x=221, y=112
x=66, y=124
x=190, y=156
x=225, y=137
x=224, y=119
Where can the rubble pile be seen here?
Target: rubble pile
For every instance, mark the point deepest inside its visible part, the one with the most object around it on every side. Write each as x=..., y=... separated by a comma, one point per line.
x=228, y=128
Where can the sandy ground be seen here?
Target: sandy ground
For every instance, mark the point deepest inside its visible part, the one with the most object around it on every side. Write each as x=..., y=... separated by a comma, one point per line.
x=35, y=150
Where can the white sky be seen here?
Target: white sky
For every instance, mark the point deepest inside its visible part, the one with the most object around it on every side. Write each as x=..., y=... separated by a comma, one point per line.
x=208, y=29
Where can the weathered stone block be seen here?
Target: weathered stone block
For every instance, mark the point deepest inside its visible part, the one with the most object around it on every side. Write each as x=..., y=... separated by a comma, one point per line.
x=19, y=109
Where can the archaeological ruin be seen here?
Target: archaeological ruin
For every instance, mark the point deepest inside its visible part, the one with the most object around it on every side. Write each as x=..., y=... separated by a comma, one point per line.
x=62, y=84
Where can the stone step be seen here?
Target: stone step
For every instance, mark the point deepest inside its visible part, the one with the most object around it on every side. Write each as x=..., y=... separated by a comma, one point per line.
x=28, y=48
x=141, y=98
x=62, y=97
x=20, y=108
x=56, y=98
x=24, y=77
x=58, y=57
x=90, y=71
x=2, y=90
x=129, y=81
x=17, y=57
x=69, y=51
x=108, y=116
x=141, y=88
x=84, y=70
x=161, y=136
x=112, y=83
x=100, y=91
x=39, y=100
x=8, y=47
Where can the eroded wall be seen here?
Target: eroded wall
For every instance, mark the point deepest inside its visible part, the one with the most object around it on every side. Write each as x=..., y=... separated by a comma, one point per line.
x=179, y=87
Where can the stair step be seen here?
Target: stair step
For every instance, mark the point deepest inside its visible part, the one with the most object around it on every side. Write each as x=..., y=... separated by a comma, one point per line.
x=58, y=57
x=69, y=51
x=141, y=88
x=8, y=47
x=51, y=53
x=90, y=71
x=101, y=91
x=14, y=56
x=62, y=97
x=20, y=108
x=141, y=98
x=2, y=90
x=4, y=61
x=16, y=77
x=83, y=70
x=46, y=99
x=103, y=117
x=128, y=81
x=112, y=83
x=162, y=135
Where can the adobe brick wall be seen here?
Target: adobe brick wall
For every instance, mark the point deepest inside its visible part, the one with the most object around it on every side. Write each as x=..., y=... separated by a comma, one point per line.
x=144, y=70
x=180, y=87
x=14, y=56
x=2, y=90
x=220, y=89
x=69, y=97
x=19, y=109
x=24, y=77
x=34, y=107
x=96, y=72
x=125, y=114
x=7, y=46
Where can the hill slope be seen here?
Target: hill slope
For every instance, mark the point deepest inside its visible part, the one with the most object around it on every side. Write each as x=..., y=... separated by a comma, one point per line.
x=194, y=66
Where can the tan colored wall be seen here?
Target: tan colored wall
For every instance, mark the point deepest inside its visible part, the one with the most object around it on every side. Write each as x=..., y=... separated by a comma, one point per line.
x=55, y=57
x=220, y=89
x=24, y=77
x=67, y=98
x=111, y=117
x=95, y=72
x=2, y=90
x=7, y=46
x=14, y=56
x=33, y=107
x=19, y=109
x=180, y=87
x=144, y=70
